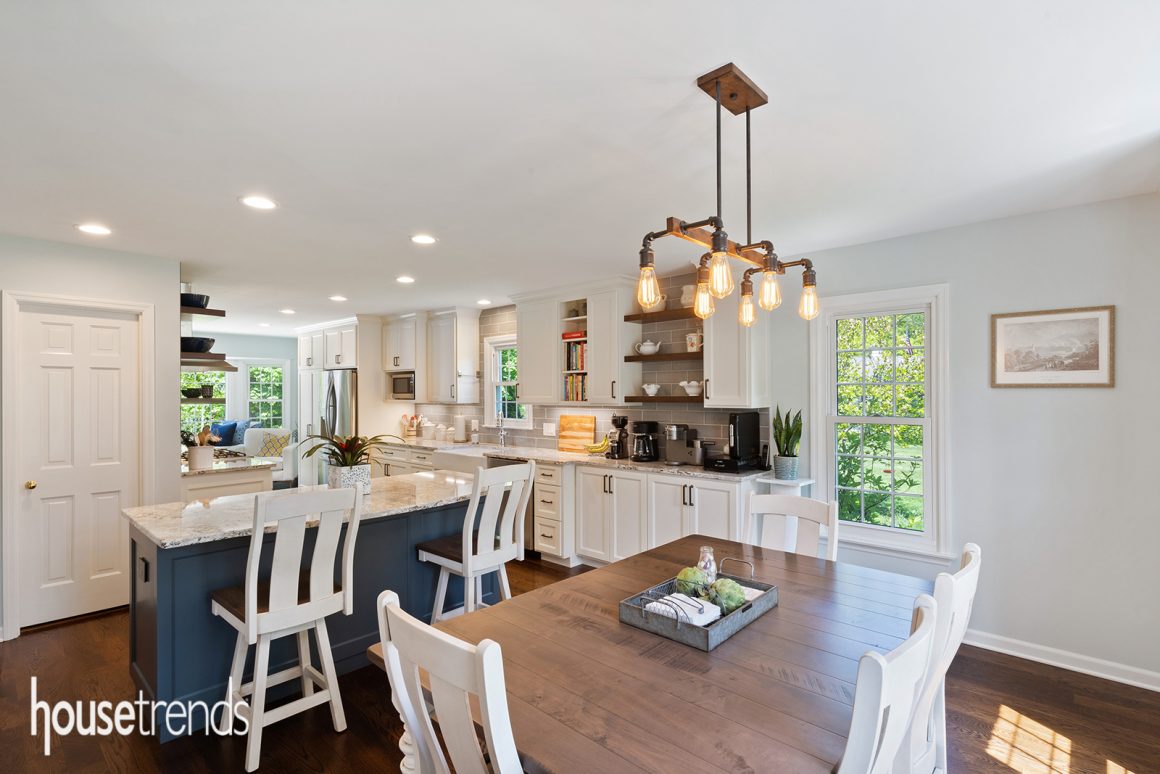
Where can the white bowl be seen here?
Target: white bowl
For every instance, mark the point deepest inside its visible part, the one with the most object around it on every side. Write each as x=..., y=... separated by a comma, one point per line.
x=693, y=391
x=651, y=389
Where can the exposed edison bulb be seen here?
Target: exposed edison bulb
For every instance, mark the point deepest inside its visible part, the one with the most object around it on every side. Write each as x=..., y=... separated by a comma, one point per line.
x=720, y=275
x=770, y=297
x=808, y=308
x=747, y=313
x=703, y=302
x=648, y=290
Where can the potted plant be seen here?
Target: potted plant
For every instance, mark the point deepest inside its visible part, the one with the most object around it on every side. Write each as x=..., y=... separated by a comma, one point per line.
x=787, y=434
x=198, y=452
x=349, y=457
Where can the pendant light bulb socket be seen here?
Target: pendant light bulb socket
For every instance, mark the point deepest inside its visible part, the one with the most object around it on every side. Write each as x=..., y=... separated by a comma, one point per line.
x=808, y=307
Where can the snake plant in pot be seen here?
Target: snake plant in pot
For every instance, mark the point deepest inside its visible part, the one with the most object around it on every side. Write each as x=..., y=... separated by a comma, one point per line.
x=349, y=457
x=787, y=434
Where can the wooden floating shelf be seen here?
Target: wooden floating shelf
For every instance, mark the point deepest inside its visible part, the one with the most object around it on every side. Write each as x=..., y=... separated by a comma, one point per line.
x=668, y=315
x=665, y=398
x=664, y=356
x=204, y=311
x=202, y=356
x=203, y=401
x=207, y=366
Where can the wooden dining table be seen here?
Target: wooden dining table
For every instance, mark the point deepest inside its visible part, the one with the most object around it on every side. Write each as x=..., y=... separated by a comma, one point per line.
x=587, y=693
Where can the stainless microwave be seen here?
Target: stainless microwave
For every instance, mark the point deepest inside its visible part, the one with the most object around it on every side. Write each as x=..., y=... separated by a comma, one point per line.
x=402, y=385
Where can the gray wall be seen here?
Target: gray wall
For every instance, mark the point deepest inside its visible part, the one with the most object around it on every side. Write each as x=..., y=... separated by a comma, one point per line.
x=37, y=266
x=1058, y=486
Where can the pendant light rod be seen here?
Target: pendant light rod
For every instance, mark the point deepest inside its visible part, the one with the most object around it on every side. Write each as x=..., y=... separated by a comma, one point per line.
x=718, y=152
x=748, y=185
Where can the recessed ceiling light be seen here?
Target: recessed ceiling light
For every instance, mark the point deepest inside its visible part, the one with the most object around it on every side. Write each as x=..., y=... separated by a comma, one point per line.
x=259, y=202
x=404, y=279
x=423, y=239
x=286, y=311
x=263, y=325
x=338, y=298
x=483, y=302
x=96, y=229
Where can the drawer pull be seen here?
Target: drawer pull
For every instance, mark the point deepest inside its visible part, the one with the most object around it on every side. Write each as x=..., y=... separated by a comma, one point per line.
x=549, y=537
x=547, y=502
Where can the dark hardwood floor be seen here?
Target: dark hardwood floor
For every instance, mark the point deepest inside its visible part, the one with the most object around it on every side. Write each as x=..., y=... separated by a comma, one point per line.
x=1004, y=713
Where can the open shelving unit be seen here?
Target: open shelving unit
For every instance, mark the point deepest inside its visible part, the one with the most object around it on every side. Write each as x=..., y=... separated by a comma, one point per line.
x=667, y=315
x=664, y=356
x=665, y=398
x=203, y=361
x=202, y=401
x=574, y=357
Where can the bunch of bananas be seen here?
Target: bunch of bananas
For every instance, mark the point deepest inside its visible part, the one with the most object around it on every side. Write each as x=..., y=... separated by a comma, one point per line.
x=598, y=448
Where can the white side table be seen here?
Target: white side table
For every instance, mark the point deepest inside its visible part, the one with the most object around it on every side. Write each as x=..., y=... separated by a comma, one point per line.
x=780, y=486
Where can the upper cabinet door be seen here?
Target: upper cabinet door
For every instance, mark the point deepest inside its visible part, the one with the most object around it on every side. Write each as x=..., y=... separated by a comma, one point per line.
x=604, y=356
x=348, y=358
x=306, y=353
x=404, y=353
x=332, y=345
x=736, y=358
x=441, y=357
x=536, y=338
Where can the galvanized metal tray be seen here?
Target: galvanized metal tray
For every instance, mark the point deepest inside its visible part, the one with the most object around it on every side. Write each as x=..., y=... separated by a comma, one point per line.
x=633, y=613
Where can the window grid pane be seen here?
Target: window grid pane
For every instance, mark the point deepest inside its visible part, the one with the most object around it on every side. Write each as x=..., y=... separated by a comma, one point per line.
x=880, y=371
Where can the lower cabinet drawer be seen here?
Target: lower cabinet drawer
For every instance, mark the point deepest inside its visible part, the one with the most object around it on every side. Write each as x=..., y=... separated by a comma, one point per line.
x=422, y=459
x=548, y=474
x=547, y=501
x=547, y=536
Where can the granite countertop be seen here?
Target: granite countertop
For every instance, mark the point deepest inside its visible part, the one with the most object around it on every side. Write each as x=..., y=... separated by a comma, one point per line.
x=231, y=464
x=171, y=525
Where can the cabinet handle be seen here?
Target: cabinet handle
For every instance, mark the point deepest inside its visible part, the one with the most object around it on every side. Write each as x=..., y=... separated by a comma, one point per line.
x=614, y=389
x=549, y=537
x=309, y=361
x=546, y=502
x=453, y=392
x=692, y=491
x=337, y=359
x=706, y=389
x=610, y=485
x=684, y=494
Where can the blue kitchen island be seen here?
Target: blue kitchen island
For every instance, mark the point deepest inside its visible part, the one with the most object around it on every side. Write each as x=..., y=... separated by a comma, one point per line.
x=180, y=652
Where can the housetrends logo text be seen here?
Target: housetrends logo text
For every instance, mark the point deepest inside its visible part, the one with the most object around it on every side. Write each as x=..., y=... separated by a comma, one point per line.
x=104, y=718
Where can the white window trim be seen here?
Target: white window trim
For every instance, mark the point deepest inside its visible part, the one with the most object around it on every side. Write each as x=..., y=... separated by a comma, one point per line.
x=935, y=541
x=491, y=347
x=238, y=389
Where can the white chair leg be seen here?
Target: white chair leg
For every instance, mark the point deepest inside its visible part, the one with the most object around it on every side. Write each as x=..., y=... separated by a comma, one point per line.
x=234, y=685
x=505, y=589
x=327, y=658
x=258, y=703
x=440, y=595
x=304, y=661
x=940, y=728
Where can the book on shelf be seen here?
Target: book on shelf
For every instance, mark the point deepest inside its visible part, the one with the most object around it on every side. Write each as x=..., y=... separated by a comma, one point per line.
x=575, y=387
x=566, y=335
x=575, y=356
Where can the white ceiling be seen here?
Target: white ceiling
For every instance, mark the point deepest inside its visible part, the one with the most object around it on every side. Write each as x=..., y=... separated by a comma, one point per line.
x=540, y=140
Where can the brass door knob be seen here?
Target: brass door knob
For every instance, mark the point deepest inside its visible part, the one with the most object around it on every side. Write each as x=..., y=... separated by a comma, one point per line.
x=30, y=484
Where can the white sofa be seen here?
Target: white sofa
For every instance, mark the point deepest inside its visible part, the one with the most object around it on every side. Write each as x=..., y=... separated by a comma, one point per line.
x=256, y=438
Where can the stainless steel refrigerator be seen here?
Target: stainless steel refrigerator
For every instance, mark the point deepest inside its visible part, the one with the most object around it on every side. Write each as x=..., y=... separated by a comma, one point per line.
x=326, y=399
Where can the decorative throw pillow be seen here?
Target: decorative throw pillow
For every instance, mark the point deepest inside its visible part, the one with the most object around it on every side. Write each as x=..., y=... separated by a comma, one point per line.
x=225, y=431
x=243, y=427
x=274, y=444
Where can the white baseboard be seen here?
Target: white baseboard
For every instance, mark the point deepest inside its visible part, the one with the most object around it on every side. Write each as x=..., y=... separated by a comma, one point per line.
x=1088, y=665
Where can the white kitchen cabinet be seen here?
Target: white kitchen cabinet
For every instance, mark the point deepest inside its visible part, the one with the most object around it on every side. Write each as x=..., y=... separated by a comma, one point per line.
x=628, y=499
x=400, y=337
x=592, y=513
x=453, y=356
x=340, y=345
x=690, y=505
x=736, y=359
x=611, y=513
x=537, y=338
x=310, y=354
x=607, y=346
x=308, y=385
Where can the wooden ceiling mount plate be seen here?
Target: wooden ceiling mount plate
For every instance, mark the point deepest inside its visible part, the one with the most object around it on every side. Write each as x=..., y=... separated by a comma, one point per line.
x=737, y=91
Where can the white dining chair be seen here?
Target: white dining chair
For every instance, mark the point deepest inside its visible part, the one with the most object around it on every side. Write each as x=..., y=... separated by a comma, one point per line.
x=293, y=601
x=492, y=536
x=456, y=671
x=925, y=748
x=885, y=696
x=792, y=523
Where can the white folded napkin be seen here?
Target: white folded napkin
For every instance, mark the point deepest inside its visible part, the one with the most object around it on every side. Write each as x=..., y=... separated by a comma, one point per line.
x=695, y=611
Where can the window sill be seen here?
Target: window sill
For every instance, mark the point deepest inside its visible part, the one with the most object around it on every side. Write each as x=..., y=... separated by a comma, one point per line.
x=913, y=553
x=506, y=426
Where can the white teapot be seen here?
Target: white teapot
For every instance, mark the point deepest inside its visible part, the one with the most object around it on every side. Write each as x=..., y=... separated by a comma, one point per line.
x=647, y=348
x=691, y=388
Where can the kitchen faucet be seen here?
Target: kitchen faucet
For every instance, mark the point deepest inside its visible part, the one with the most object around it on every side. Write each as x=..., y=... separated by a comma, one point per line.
x=502, y=430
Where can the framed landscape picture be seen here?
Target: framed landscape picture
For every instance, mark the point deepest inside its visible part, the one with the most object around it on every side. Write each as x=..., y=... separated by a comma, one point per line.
x=1054, y=348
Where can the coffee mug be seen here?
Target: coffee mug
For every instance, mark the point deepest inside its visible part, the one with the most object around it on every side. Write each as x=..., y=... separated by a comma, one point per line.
x=694, y=341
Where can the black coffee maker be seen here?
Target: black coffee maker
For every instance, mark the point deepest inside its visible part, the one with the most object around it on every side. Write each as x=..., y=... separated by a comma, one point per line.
x=618, y=439
x=644, y=441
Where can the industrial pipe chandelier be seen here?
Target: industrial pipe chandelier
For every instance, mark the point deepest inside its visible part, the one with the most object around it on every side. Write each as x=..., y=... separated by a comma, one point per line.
x=733, y=89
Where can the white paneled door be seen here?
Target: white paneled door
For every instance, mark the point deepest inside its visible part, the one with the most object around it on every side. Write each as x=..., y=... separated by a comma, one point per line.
x=78, y=461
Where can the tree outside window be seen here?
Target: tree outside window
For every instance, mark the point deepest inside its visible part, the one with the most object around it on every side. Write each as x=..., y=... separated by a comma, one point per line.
x=502, y=384
x=197, y=415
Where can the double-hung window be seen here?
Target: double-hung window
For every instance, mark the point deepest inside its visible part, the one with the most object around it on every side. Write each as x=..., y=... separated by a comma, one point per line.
x=879, y=405
x=501, y=384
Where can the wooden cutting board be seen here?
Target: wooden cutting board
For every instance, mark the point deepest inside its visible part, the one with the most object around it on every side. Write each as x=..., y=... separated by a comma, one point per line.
x=575, y=432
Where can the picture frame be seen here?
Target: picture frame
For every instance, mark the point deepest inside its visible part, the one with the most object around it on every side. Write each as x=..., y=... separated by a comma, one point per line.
x=1073, y=347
